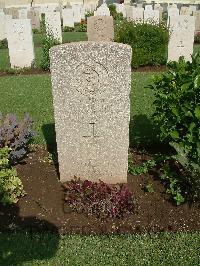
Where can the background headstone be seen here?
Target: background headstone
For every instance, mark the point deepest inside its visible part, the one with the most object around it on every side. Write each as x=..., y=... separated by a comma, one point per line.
x=135, y=14
x=185, y=11
x=68, y=17
x=181, y=38
x=53, y=25
x=151, y=15
x=103, y=10
x=76, y=13
x=197, y=21
x=34, y=16
x=91, y=85
x=100, y=28
x=20, y=43
x=148, y=7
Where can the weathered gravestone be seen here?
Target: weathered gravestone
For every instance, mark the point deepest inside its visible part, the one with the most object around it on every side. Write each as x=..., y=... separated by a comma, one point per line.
x=135, y=14
x=34, y=16
x=151, y=16
x=20, y=43
x=103, y=10
x=68, y=17
x=23, y=13
x=185, y=11
x=197, y=21
x=100, y=28
x=53, y=25
x=120, y=8
x=148, y=7
x=173, y=12
x=2, y=26
x=76, y=13
x=91, y=85
x=181, y=38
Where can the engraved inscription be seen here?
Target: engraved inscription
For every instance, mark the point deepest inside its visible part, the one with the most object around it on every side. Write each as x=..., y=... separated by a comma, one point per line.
x=89, y=78
x=92, y=131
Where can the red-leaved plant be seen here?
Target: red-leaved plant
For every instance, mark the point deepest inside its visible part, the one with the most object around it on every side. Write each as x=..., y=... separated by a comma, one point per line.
x=101, y=199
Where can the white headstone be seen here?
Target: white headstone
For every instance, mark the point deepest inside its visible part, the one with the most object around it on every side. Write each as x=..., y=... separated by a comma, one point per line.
x=2, y=26
x=68, y=17
x=53, y=25
x=103, y=10
x=77, y=13
x=135, y=14
x=83, y=11
x=173, y=12
x=181, y=38
x=151, y=16
x=20, y=43
x=23, y=13
x=91, y=86
x=185, y=11
x=148, y=7
x=197, y=21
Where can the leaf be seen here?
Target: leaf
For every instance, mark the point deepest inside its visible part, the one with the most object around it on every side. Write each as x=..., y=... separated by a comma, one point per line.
x=197, y=112
x=174, y=134
x=197, y=82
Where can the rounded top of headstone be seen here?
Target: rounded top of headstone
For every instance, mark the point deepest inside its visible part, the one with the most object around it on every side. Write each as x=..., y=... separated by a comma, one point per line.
x=90, y=45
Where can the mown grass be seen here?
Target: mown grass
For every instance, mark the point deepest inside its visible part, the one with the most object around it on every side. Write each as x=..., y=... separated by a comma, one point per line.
x=32, y=94
x=48, y=249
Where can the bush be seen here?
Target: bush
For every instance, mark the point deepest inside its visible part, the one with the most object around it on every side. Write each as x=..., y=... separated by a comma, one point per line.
x=114, y=14
x=47, y=43
x=42, y=23
x=68, y=29
x=89, y=14
x=100, y=198
x=177, y=114
x=11, y=187
x=36, y=31
x=4, y=44
x=16, y=135
x=80, y=27
x=149, y=42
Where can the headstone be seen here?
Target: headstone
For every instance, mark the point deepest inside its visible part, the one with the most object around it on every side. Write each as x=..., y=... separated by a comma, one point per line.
x=100, y=28
x=68, y=17
x=151, y=16
x=197, y=21
x=20, y=43
x=53, y=25
x=77, y=13
x=173, y=12
x=120, y=8
x=148, y=7
x=192, y=8
x=103, y=10
x=34, y=16
x=135, y=14
x=91, y=86
x=83, y=12
x=2, y=26
x=23, y=13
x=181, y=38
x=185, y=11
x=160, y=9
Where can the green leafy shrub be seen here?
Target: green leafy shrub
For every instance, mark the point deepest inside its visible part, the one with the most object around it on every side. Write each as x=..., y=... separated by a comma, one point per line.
x=68, y=29
x=80, y=27
x=89, y=14
x=177, y=114
x=36, y=31
x=4, y=44
x=114, y=14
x=42, y=23
x=16, y=135
x=11, y=188
x=149, y=42
x=47, y=43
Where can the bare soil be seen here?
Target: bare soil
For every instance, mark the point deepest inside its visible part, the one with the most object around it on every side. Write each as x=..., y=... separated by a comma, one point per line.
x=43, y=207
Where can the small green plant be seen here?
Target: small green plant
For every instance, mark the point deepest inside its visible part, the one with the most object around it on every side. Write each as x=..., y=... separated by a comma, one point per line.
x=89, y=14
x=47, y=43
x=36, y=31
x=149, y=188
x=68, y=29
x=80, y=27
x=173, y=184
x=42, y=23
x=4, y=44
x=114, y=14
x=11, y=187
x=149, y=42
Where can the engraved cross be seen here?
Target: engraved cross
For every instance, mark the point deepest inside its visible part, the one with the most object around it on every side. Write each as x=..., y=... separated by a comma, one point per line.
x=92, y=128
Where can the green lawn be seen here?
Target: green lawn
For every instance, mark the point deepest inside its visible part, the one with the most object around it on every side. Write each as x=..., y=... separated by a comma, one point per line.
x=48, y=249
x=32, y=94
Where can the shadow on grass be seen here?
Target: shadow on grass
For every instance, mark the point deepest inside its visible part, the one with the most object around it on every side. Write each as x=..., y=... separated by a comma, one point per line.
x=22, y=239
x=49, y=133
x=143, y=133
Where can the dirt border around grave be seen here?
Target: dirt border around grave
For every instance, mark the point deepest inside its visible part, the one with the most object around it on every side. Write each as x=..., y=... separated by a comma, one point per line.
x=43, y=207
